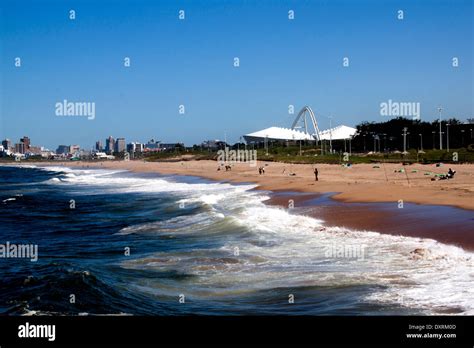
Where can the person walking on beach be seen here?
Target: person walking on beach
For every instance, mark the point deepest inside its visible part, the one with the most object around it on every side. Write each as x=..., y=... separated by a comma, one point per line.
x=316, y=174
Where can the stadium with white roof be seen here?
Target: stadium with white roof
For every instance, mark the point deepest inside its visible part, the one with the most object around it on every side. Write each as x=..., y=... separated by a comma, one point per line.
x=340, y=132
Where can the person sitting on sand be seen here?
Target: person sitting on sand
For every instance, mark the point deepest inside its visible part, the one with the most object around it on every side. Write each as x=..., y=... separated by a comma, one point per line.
x=316, y=174
x=451, y=173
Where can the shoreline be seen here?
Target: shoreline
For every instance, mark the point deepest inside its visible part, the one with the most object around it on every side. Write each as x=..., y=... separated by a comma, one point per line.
x=424, y=217
x=360, y=183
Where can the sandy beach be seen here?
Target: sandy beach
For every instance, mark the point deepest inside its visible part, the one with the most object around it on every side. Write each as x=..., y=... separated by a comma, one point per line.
x=358, y=183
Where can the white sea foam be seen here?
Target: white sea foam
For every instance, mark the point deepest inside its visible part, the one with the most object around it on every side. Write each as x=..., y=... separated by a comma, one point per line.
x=110, y=181
x=9, y=199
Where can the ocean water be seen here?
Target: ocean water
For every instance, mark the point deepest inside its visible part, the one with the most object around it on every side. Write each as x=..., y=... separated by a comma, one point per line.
x=216, y=246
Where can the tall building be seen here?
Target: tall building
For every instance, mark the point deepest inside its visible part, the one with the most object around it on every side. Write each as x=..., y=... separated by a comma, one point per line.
x=120, y=145
x=139, y=147
x=25, y=140
x=7, y=144
x=134, y=147
x=109, y=145
x=62, y=150
x=74, y=148
x=98, y=146
x=20, y=148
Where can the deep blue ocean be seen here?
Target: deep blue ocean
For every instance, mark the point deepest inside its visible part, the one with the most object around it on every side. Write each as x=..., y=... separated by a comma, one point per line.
x=200, y=247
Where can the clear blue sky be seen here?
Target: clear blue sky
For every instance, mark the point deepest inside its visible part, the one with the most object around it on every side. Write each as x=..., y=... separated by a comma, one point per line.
x=190, y=62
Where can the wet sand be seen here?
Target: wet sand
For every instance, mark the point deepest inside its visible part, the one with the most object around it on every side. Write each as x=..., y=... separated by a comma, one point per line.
x=447, y=225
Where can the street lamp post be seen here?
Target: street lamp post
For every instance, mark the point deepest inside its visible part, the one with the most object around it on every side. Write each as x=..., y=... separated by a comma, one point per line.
x=330, y=134
x=447, y=137
x=293, y=139
x=405, y=140
x=440, y=130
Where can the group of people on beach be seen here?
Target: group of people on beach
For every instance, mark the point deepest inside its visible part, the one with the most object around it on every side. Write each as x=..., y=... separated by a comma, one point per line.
x=227, y=167
x=261, y=171
x=450, y=175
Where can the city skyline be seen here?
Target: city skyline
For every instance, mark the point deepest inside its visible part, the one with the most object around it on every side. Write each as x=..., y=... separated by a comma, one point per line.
x=112, y=145
x=117, y=145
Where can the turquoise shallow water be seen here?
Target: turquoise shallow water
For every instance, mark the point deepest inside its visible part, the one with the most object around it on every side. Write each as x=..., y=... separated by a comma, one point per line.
x=199, y=247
